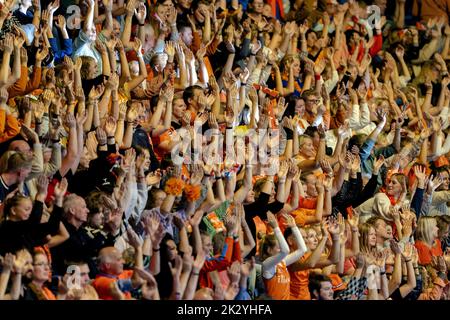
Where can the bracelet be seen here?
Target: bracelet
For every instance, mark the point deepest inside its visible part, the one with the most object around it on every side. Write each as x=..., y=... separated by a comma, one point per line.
x=195, y=274
x=111, y=137
x=243, y=83
x=102, y=144
x=230, y=128
x=141, y=177
x=317, y=77
x=142, y=24
x=55, y=140
x=407, y=260
x=156, y=250
x=38, y=122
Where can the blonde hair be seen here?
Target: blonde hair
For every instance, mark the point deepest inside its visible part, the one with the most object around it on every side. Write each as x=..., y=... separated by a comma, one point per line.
x=267, y=241
x=364, y=231
x=424, y=230
x=84, y=71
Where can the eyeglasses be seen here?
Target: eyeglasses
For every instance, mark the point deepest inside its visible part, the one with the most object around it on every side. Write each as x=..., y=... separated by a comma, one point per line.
x=42, y=264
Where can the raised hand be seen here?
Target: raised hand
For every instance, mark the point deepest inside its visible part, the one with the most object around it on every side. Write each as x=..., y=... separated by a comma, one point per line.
x=272, y=220
x=61, y=188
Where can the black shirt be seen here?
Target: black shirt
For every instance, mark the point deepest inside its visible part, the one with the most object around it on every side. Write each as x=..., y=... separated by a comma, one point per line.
x=15, y=235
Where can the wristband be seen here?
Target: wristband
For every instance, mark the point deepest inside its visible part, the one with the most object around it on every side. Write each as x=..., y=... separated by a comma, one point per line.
x=195, y=273
x=111, y=137
x=230, y=128
x=55, y=140
x=317, y=77
x=289, y=133
x=141, y=25
x=156, y=250
x=102, y=144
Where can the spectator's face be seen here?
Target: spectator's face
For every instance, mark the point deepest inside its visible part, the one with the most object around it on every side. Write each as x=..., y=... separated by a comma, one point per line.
x=47, y=155
x=331, y=7
x=300, y=107
x=311, y=240
x=310, y=183
x=84, y=275
x=311, y=103
x=207, y=244
x=258, y=6
x=275, y=249
x=445, y=179
x=22, y=174
x=161, y=62
x=159, y=198
x=92, y=69
x=26, y=3
x=179, y=108
x=80, y=210
x=149, y=39
x=185, y=4
x=250, y=198
x=372, y=237
x=267, y=10
x=22, y=211
x=92, y=33
x=147, y=160
x=296, y=67
x=307, y=148
x=116, y=29
x=311, y=40
x=172, y=251
x=326, y=291
x=381, y=229
x=389, y=232
x=199, y=12
x=96, y=220
x=115, y=264
x=41, y=268
x=186, y=36
x=28, y=264
x=163, y=9
x=394, y=187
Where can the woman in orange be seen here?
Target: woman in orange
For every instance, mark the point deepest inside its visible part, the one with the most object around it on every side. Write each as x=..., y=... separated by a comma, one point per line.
x=313, y=258
x=274, y=252
x=427, y=243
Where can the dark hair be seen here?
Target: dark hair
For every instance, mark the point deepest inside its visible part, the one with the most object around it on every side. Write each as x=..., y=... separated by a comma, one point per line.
x=151, y=198
x=310, y=131
x=315, y=282
x=189, y=93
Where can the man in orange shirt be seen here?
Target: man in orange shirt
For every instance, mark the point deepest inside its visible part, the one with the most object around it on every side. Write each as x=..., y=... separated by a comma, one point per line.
x=114, y=283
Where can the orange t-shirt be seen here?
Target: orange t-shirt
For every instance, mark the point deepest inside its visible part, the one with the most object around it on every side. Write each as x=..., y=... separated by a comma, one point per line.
x=278, y=286
x=102, y=284
x=426, y=253
x=300, y=282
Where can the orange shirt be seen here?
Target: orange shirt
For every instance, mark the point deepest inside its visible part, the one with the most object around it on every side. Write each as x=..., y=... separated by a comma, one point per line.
x=426, y=253
x=103, y=282
x=278, y=287
x=48, y=294
x=300, y=281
